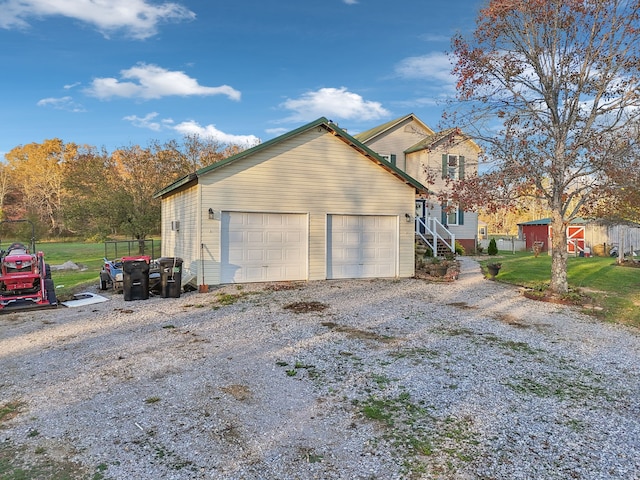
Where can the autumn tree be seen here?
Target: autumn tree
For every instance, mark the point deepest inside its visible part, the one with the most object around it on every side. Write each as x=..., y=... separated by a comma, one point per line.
x=550, y=89
x=199, y=152
x=36, y=172
x=620, y=202
x=92, y=207
x=5, y=188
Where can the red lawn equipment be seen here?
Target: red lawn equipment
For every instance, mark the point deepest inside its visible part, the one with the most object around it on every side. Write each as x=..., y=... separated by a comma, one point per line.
x=25, y=279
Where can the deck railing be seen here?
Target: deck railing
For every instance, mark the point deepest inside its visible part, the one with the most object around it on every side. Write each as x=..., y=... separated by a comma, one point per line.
x=430, y=230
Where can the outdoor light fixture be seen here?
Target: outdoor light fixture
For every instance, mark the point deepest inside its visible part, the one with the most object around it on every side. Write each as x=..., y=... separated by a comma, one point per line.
x=212, y=215
x=407, y=217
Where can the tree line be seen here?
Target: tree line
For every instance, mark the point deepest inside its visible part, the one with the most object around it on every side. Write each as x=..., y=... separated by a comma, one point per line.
x=70, y=190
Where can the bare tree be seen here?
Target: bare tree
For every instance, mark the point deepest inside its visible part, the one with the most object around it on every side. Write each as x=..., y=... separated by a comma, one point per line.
x=550, y=88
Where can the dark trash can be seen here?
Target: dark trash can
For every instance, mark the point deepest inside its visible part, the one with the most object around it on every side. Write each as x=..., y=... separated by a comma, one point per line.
x=135, y=273
x=170, y=277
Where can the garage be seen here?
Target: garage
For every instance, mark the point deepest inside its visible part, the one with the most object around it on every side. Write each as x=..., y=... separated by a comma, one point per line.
x=263, y=247
x=362, y=246
x=302, y=206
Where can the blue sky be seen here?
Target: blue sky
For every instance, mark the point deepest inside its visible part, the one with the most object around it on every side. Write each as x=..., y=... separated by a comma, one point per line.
x=123, y=72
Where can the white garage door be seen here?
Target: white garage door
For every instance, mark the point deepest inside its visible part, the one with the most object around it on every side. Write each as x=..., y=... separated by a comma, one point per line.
x=263, y=247
x=362, y=246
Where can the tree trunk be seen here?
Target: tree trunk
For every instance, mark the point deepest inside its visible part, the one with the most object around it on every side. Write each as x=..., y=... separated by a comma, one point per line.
x=559, y=255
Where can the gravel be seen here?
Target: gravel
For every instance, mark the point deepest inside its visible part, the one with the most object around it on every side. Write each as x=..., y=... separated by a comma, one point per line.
x=367, y=379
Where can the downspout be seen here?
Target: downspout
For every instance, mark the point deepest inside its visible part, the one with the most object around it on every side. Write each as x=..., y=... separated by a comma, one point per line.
x=203, y=288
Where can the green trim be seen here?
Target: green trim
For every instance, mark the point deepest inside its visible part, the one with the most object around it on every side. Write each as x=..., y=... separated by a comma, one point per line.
x=322, y=123
x=367, y=135
x=431, y=140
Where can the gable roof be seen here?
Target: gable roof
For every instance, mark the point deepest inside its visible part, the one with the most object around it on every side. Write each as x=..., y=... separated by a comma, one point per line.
x=431, y=140
x=548, y=221
x=322, y=122
x=541, y=221
x=368, y=135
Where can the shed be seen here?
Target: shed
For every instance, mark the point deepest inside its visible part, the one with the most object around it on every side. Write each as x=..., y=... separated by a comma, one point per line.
x=535, y=231
x=312, y=204
x=591, y=236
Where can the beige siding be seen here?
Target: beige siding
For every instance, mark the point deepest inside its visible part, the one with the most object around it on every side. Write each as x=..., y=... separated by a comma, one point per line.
x=398, y=140
x=183, y=243
x=313, y=173
x=427, y=165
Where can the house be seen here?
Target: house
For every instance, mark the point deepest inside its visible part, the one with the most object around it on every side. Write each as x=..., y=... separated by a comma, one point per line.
x=434, y=159
x=307, y=205
x=584, y=237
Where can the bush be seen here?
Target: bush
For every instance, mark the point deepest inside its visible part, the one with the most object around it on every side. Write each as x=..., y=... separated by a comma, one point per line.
x=493, y=248
x=459, y=248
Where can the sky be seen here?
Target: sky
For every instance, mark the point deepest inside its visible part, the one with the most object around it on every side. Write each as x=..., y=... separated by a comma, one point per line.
x=116, y=73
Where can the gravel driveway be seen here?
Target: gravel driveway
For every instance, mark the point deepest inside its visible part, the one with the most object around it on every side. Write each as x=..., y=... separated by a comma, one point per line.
x=379, y=379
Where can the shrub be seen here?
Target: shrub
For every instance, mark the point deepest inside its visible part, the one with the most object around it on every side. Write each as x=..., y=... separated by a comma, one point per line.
x=459, y=248
x=493, y=248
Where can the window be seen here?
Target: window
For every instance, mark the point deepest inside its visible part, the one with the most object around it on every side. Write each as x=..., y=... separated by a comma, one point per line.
x=452, y=217
x=452, y=214
x=390, y=157
x=452, y=166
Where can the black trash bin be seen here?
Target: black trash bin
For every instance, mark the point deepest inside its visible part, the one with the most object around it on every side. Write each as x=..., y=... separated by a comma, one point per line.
x=170, y=277
x=135, y=277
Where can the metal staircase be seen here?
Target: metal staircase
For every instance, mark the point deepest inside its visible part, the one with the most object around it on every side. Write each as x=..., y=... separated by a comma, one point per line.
x=436, y=236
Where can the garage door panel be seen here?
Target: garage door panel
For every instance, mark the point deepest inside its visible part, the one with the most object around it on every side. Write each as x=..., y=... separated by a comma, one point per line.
x=293, y=237
x=253, y=254
x=369, y=254
x=274, y=255
x=274, y=237
x=361, y=246
x=259, y=247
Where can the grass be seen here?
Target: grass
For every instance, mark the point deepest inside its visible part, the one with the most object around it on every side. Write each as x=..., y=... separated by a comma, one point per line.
x=421, y=438
x=613, y=288
x=88, y=256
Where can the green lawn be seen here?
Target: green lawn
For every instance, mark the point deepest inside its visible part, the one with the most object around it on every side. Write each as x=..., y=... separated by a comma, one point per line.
x=88, y=256
x=614, y=288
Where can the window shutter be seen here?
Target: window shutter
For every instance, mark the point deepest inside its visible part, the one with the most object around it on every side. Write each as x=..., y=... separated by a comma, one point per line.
x=460, y=216
x=461, y=167
x=445, y=165
x=443, y=214
x=393, y=159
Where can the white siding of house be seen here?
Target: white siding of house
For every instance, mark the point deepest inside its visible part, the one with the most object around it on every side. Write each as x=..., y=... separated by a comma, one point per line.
x=428, y=164
x=468, y=230
x=424, y=165
x=313, y=173
x=184, y=243
x=396, y=141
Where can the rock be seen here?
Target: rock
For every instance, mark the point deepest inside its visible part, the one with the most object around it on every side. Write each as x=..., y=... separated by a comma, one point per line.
x=69, y=265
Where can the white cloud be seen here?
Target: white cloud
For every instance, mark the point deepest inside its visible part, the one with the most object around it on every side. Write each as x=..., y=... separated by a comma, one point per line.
x=350, y=2
x=149, y=121
x=137, y=18
x=190, y=127
x=62, y=103
x=151, y=81
x=334, y=103
x=433, y=66
x=210, y=131
x=276, y=131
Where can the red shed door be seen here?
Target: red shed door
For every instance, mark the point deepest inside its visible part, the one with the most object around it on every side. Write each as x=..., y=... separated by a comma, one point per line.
x=575, y=239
